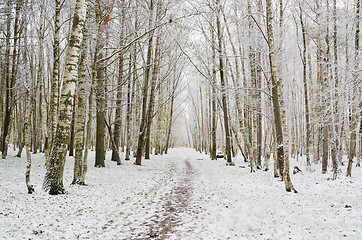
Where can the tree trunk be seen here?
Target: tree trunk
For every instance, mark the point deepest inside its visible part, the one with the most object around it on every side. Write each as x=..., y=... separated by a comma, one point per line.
x=275, y=101
x=236, y=83
x=213, y=99
x=43, y=131
x=79, y=134
x=335, y=140
x=248, y=129
x=100, y=68
x=142, y=131
x=326, y=76
x=170, y=119
x=118, y=116
x=27, y=107
x=153, y=86
x=72, y=126
x=258, y=114
x=223, y=89
x=54, y=98
x=275, y=154
x=40, y=87
x=53, y=181
x=354, y=109
x=158, y=148
x=6, y=113
x=306, y=101
x=88, y=131
x=130, y=86
x=100, y=113
x=10, y=77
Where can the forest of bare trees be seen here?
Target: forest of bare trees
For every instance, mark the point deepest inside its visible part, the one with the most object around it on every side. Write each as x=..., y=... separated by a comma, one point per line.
x=289, y=83
x=268, y=79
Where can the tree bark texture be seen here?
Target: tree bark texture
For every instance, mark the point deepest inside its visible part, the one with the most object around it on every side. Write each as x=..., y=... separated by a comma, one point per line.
x=79, y=169
x=275, y=102
x=53, y=181
x=223, y=89
x=143, y=123
x=10, y=77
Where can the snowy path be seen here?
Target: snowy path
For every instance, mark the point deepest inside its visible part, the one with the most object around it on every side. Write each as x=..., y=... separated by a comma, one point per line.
x=170, y=213
x=180, y=196
x=176, y=202
x=171, y=206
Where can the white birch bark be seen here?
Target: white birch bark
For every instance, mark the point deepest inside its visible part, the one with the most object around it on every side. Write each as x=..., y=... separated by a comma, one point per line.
x=275, y=101
x=55, y=75
x=53, y=181
x=80, y=130
x=27, y=142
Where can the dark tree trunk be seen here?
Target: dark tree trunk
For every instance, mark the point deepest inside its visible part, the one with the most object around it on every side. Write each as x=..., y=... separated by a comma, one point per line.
x=72, y=128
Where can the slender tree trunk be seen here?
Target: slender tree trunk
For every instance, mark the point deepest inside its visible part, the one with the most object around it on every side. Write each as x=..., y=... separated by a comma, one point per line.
x=275, y=101
x=88, y=131
x=306, y=101
x=223, y=89
x=327, y=116
x=100, y=68
x=10, y=77
x=258, y=113
x=202, y=121
x=213, y=99
x=79, y=134
x=257, y=117
x=130, y=86
x=40, y=87
x=354, y=109
x=100, y=113
x=236, y=83
x=248, y=129
x=158, y=147
x=21, y=129
x=153, y=86
x=143, y=124
x=335, y=140
x=5, y=117
x=27, y=107
x=72, y=127
x=33, y=100
x=53, y=181
x=118, y=116
x=54, y=98
x=170, y=119
x=34, y=114
x=275, y=156
x=43, y=131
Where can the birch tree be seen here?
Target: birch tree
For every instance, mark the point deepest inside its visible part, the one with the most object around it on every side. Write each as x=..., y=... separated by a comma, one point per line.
x=55, y=74
x=356, y=79
x=53, y=181
x=223, y=86
x=142, y=128
x=118, y=117
x=80, y=162
x=10, y=76
x=153, y=84
x=275, y=99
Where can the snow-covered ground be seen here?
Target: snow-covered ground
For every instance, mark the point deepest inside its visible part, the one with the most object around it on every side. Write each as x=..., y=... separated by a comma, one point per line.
x=182, y=195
